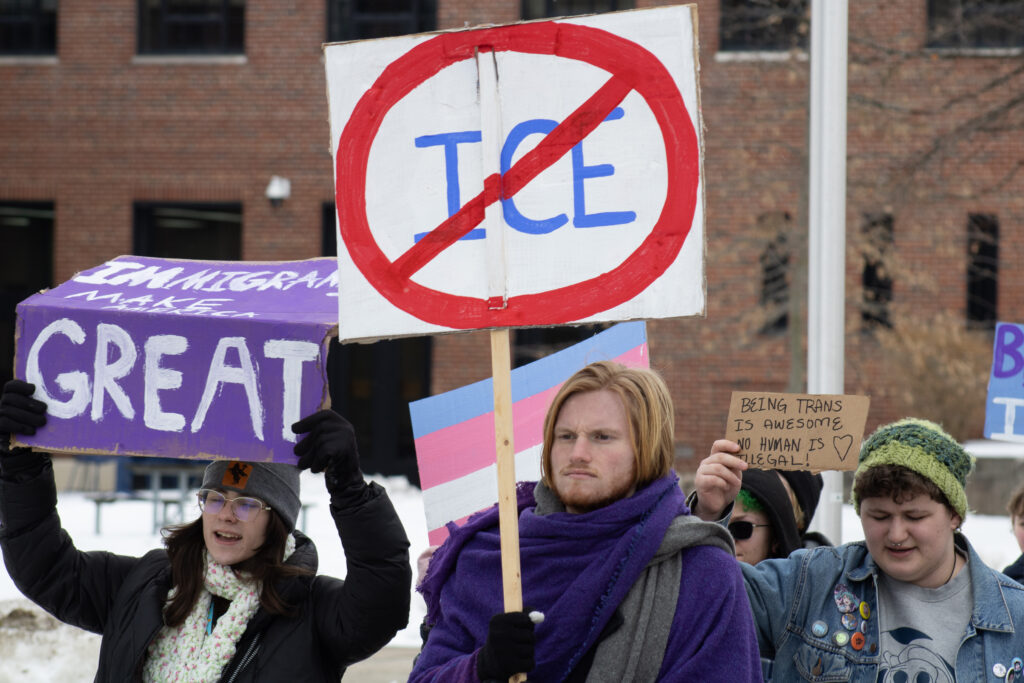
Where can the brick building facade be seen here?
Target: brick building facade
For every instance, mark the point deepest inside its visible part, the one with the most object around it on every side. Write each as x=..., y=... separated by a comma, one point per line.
x=108, y=125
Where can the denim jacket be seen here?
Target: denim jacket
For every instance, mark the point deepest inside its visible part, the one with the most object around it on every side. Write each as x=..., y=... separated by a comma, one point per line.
x=797, y=618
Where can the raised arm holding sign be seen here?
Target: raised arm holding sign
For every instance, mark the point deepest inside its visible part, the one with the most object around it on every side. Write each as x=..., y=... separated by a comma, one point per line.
x=178, y=358
x=186, y=359
x=774, y=431
x=551, y=175
x=900, y=601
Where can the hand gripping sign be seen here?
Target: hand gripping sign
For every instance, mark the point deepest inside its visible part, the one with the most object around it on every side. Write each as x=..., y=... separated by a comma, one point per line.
x=535, y=174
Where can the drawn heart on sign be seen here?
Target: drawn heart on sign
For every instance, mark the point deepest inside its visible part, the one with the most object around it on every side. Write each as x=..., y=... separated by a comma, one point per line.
x=842, y=445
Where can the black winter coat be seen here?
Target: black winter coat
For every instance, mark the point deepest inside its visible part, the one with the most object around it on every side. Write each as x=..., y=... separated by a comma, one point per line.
x=339, y=622
x=1016, y=570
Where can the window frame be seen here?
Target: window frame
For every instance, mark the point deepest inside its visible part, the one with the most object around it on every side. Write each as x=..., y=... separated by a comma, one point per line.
x=876, y=283
x=982, y=272
x=965, y=34
x=530, y=344
x=143, y=244
x=777, y=263
x=154, y=41
x=39, y=20
x=746, y=11
x=42, y=237
x=344, y=20
x=776, y=282
x=550, y=9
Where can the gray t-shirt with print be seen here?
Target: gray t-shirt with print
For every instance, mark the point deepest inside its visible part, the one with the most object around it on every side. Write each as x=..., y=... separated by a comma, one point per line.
x=922, y=628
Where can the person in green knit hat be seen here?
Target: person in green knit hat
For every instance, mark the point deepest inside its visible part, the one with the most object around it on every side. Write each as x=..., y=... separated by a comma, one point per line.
x=912, y=601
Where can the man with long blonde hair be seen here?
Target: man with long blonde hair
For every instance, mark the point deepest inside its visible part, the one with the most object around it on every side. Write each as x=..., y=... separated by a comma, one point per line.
x=621, y=582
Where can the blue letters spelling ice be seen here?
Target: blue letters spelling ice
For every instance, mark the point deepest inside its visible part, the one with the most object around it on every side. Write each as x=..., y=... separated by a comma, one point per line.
x=580, y=172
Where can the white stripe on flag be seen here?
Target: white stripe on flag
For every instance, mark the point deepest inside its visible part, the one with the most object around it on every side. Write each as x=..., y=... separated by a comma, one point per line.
x=477, y=490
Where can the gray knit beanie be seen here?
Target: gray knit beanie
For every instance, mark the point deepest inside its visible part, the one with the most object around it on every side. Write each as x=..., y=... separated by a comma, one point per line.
x=276, y=484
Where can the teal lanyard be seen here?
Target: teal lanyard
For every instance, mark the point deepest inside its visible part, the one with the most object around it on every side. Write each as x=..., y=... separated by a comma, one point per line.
x=209, y=618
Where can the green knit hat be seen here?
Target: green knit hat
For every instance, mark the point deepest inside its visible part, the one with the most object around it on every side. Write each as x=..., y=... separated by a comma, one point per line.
x=923, y=447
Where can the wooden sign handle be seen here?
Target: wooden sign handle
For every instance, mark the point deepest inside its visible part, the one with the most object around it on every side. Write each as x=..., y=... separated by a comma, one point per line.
x=508, y=510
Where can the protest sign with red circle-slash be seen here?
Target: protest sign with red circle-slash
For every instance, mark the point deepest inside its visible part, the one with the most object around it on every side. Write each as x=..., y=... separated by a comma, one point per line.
x=622, y=86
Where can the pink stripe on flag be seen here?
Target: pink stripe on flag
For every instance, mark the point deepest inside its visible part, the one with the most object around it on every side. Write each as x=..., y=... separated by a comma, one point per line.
x=474, y=440
x=454, y=452
x=458, y=450
x=437, y=536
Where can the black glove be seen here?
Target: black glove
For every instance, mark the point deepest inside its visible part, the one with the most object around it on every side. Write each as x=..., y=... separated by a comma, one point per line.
x=508, y=649
x=329, y=447
x=19, y=412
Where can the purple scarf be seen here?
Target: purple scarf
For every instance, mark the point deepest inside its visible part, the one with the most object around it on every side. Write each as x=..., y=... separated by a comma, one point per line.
x=575, y=568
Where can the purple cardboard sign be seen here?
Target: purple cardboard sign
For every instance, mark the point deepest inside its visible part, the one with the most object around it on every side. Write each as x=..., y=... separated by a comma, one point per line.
x=180, y=359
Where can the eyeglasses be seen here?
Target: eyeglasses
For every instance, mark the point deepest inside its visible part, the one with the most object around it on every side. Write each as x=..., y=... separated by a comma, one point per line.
x=243, y=508
x=741, y=531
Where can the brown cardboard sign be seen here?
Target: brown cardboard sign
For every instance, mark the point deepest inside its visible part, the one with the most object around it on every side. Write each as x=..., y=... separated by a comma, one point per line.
x=797, y=431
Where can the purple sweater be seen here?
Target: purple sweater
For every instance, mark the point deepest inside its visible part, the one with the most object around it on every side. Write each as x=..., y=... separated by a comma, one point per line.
x=577, y=569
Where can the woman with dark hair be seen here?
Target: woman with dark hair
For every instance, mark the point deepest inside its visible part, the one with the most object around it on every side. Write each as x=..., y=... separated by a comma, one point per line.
x=762, y=523
x=234, y=595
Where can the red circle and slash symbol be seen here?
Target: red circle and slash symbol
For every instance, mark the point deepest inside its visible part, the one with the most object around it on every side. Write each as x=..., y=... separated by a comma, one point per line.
x=631, y=67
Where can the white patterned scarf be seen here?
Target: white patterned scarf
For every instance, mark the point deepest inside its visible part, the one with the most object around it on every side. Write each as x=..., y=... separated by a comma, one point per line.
x=187, y=654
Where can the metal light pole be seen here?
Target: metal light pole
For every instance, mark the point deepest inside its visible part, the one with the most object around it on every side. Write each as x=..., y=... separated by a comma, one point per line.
x=827, y=227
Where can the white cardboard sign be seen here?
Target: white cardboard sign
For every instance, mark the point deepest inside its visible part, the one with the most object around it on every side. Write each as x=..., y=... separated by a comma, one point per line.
x=540, y=173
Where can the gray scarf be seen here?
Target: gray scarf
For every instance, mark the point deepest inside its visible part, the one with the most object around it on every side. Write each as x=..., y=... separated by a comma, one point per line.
x=634, y=652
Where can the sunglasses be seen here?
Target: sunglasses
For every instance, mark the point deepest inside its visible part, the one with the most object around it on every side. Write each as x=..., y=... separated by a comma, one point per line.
x=243, y=508
x=741, y=531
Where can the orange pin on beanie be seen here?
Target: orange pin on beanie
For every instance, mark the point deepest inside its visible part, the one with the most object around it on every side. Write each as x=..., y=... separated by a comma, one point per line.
x=276, y=484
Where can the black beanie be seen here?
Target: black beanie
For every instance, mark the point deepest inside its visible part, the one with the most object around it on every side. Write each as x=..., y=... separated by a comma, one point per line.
x=768, y=489
x=807, y=489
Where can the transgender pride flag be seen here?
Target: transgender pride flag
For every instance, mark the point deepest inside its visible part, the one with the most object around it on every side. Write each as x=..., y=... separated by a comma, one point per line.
x=454, y=431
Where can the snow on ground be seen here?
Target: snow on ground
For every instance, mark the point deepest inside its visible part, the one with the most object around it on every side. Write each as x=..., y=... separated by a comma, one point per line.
x=34, y=647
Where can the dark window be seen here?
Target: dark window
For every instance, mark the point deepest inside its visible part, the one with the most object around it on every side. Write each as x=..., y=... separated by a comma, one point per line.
x=194, y=231
x=982, y=269
x=372, y=385
x=28, y=27
x=329, y=226
x=763, y=25
x=975, y=23
x=202, y=27
x=534, y=343
x=541, y=9
x=775, y=270
x=876, y=279
x=359, y=19
x=190, y=231
x=26, y=266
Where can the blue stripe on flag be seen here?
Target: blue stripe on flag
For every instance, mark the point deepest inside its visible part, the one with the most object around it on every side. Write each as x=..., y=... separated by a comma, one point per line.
x=444, y=410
